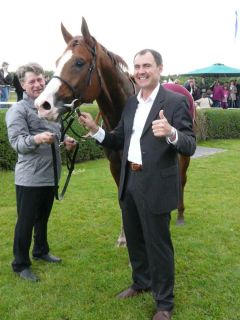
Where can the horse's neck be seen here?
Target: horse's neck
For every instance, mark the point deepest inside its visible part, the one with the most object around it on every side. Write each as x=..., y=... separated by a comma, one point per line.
x=111, y=113
x=115, y=91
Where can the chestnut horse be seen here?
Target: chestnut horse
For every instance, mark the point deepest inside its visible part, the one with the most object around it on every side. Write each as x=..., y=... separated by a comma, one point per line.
x=85, y=72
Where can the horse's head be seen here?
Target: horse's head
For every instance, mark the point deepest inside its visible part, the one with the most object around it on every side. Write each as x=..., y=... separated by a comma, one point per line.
x=76, y=79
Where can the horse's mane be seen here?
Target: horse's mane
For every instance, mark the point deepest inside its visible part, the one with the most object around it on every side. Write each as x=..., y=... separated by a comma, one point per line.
x=116, y=59
x=121, y=64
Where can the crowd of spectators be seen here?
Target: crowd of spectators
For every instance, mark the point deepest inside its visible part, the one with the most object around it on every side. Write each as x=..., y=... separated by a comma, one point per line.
x=218, y=95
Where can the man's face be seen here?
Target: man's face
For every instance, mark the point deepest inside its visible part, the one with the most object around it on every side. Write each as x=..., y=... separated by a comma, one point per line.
x=33, y=84
x=146, y=72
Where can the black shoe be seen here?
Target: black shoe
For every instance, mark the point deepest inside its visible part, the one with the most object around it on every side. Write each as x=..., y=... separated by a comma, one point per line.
x=48, y=258
x=27, y=274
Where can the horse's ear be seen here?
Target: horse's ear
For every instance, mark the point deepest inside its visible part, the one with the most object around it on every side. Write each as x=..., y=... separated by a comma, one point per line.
x=86, y=34
x=66, y=35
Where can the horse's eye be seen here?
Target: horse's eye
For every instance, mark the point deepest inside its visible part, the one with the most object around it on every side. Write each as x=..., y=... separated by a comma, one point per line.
x=80, y=63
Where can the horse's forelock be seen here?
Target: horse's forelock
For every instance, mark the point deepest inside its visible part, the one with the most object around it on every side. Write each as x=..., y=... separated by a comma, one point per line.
x=77, y=40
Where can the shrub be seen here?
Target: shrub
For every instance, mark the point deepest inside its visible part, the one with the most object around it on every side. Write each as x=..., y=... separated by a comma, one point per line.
x=216, y=123
x=7, y=154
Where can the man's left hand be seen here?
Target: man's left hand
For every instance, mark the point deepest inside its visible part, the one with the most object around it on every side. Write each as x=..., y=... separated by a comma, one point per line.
x=161, y=127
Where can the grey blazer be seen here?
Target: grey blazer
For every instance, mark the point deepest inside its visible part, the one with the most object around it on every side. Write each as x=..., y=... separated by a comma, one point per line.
x=34, y=165
x=160, y=174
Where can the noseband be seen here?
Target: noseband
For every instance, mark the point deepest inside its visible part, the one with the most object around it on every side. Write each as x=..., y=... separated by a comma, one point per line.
x=78, y=98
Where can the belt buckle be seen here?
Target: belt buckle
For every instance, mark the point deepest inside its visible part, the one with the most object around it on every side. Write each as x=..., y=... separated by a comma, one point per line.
x=136, y=167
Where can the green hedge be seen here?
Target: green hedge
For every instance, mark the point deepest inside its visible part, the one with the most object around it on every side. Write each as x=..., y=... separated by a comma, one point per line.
x=88, y=149
x=7, y=154
x=211, y=123
x=216, y=123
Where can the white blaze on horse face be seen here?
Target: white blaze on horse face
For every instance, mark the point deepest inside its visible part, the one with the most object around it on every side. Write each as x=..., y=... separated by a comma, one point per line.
x=48, y=95
x=62, y=61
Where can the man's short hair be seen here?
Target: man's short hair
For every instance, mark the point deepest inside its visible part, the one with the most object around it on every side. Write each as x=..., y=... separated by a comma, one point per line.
x=156, y=55
x=29, y=67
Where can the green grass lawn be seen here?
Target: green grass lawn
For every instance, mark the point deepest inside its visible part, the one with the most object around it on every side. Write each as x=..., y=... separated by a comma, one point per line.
x=83, y=230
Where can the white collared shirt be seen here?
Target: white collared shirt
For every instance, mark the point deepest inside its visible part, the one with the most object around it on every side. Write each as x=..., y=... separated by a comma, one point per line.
x=142, y=112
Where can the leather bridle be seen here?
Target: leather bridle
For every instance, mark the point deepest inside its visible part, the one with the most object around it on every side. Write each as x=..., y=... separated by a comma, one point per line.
x=77, y=101
x=78, y=97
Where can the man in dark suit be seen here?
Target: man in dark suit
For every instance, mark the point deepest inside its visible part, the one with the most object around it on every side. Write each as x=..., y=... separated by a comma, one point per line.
x=155, y=126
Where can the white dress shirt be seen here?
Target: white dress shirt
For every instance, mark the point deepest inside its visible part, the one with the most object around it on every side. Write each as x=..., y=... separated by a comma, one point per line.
x=142, y=112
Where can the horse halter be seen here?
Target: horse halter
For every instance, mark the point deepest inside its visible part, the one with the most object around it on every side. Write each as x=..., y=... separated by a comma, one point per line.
x=79, y=97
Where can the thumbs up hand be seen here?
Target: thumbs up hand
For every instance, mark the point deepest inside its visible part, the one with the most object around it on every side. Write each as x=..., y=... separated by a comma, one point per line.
x=161, y=127
x=161, y=115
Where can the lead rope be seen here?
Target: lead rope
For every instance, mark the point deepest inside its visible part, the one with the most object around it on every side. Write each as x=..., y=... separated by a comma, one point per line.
x=55, y=171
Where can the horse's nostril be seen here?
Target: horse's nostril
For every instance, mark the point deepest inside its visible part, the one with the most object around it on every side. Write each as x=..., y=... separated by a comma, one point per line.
x=46, y=105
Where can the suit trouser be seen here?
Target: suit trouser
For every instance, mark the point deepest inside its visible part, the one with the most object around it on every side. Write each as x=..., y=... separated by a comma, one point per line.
x=149, y=243
x=34, y=205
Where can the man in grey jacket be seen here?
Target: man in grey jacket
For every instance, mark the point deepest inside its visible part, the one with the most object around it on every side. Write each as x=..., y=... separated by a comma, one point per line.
x=31, y=138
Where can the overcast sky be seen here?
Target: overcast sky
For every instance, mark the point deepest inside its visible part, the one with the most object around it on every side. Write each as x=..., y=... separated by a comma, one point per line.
x=188, y=34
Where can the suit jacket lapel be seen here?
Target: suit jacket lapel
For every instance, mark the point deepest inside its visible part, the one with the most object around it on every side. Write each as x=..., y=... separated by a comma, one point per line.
x=158, y=104
x=131, y=114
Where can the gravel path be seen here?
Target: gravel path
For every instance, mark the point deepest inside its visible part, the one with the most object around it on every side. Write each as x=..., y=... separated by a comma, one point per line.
x=204, y=152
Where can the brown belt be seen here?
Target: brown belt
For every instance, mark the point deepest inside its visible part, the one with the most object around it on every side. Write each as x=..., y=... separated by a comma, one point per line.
x=134, y=166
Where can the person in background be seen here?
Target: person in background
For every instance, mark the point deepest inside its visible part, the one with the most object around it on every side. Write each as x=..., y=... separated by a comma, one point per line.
x=237, y=85
x=31, y=138
x=191, y=86
x=155, y=126
x=217, y=91
x=224, y=103
x=232, y=94
x=18, y=88
x=204, y=102
x=202, y=86
x=5, y=82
